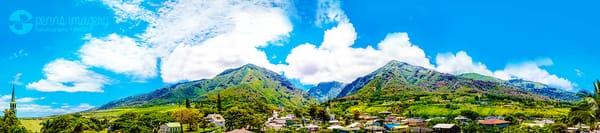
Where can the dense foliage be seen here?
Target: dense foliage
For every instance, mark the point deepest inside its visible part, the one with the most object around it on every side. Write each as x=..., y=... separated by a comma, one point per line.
x=10, y=124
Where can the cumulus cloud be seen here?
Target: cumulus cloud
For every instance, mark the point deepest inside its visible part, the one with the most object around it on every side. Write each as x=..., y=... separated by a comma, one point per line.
x=338, y=61
x=199, y=39
x=460, y=63
x=119, y=54
x=533, y=71
x=68, y=76
x=27, y=107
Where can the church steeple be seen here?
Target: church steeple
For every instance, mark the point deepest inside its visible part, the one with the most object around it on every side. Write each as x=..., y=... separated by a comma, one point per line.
x=13, y=101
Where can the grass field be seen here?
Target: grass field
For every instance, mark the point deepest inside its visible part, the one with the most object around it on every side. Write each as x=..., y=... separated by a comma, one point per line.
x=111, y=113
x=32, y=124
x=440, y=110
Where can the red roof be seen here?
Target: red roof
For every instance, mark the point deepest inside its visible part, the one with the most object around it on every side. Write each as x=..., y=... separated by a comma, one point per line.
x=493, y=122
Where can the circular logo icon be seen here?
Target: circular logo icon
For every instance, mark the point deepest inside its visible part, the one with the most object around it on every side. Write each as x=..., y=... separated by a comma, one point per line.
x=20, y=22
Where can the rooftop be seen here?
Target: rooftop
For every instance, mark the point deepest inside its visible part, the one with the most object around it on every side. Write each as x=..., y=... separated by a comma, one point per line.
x=444, y=126
x=173, y=124
x=493, y=121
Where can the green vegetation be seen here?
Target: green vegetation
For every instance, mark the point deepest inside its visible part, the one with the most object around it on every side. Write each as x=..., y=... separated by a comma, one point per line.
x=10, y=124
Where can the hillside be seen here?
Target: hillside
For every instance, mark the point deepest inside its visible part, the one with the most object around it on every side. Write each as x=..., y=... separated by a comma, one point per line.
x=529, y=86
x=326, y=90
x=396, y=77
x=246, y=84
x=475, y=76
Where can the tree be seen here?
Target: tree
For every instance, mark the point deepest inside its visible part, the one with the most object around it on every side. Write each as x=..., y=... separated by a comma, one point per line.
x=219, y=106
x=66, y=123
x=10, y=118
x=10, y=124
x=134, y=122
x=188, y=104
x=586, y=111
x=469, y=114
x=356, y=115
x=243, y=116
x=187, y=116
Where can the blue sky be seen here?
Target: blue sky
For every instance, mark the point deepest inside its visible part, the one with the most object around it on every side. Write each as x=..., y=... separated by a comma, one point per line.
x=105, y=50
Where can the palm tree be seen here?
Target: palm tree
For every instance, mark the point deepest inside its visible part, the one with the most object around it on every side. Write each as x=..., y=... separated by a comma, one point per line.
x=588, y=110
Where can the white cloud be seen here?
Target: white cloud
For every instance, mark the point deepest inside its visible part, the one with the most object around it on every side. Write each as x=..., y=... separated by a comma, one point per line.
x=18, y=54
x=119, y=54
x=69, y=76
x=341, y=36
x=459, y=64
x=17, y=79
x=128, y=10
x=578, y=72
x=330, y=11
x=26, y=107
x=529, y=70
x=253, y=29
x=199, y=39
x=532, y=71
x=338, y=61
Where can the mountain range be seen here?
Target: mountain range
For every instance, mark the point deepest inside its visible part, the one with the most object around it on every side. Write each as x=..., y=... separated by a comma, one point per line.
x=251, y=82
x=248, y=83
x=398, y=76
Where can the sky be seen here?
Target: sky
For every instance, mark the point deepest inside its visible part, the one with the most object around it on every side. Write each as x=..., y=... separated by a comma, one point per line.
x=73, y=55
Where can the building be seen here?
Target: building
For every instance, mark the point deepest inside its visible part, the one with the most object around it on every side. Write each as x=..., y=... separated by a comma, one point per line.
x=446, y=128
x=414, y=122
x=13, y=101
x=217, y=119
x=172, y=127
x=240, y=131
x=494, y=122
x=462, y=119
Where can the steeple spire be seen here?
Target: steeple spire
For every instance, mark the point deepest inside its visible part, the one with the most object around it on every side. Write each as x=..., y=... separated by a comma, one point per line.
x=13, y=101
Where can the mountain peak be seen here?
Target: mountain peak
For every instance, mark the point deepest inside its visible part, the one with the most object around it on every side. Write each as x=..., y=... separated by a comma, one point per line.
x=250, y=65
x=394, y=63
x=245, y=68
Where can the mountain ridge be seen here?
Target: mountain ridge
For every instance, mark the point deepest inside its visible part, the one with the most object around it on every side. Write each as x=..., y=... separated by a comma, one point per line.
x=262, y=82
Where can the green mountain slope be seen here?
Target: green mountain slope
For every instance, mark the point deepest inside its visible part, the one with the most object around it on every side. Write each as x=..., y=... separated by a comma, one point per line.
x=247, y=84
x=399, y=78
x=475, y=76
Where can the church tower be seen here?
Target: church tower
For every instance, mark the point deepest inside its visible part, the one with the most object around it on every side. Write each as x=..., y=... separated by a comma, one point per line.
x=13, y=101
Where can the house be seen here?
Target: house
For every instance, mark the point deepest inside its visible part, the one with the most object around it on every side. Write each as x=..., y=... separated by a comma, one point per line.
x=494, y=122
x=539, y=123
x=276, y=122
x=172, y=127
x=374, y=129
x=391, y=126
x=420, y=130
x=217, y=119
x=335, y=127
x=312, y=128
x=385, y=113
x=462, y=119
x=240, y=131
x=414, y=122
x=446, y=128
